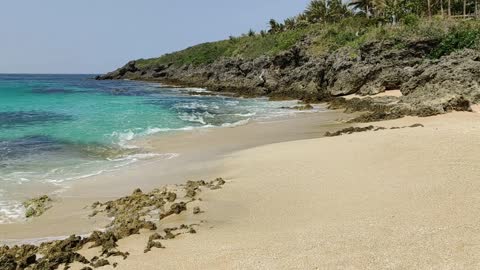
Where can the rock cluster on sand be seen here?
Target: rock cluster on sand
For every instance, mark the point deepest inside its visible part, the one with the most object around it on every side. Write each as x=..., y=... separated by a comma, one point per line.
x=130, y=215
x=37, y=206
x=428, y=86
x=351, y=130
x=305, y=107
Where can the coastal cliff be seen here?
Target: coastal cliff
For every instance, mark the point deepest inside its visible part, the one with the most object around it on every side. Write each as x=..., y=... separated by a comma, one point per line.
x=434, y=74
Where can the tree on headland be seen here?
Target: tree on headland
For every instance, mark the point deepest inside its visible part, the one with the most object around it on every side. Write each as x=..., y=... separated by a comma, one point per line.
x=336, y=11
x=326, y=11
x=429, y=9
x=316, y=11
x=275, y=27
x=362, y=5
x=381, y=11
x=289, y=23
x=449, y=8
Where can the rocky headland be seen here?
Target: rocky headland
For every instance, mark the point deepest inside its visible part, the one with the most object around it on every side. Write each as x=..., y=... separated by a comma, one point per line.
x=429, y=86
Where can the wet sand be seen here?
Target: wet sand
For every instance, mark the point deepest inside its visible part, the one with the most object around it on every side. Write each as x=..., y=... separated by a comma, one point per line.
x=200, y=156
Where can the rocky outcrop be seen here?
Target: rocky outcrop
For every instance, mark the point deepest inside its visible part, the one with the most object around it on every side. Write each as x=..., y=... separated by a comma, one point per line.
x=429, y=86
x=37, y=206
x=373, y=68
x=450, y=83
x=130, y=215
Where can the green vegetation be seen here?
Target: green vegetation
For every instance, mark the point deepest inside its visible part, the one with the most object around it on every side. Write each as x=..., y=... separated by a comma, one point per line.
x=465, y=36
x=248, y=46
x=330, y=25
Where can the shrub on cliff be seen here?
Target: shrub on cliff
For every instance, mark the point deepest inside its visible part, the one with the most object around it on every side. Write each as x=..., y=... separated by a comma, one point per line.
x=466, y=35
x=324, y=38
x=411, y=20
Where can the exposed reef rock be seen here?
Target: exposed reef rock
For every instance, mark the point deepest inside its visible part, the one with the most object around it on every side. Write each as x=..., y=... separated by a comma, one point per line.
x=429, y=86
x=351, y=130
x=130, y=215
x=37, y=206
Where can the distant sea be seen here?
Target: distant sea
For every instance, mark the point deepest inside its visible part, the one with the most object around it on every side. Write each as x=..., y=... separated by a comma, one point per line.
x=60, y=128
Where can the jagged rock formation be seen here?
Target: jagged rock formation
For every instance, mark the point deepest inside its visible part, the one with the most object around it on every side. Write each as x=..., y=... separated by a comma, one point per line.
x=429, y=86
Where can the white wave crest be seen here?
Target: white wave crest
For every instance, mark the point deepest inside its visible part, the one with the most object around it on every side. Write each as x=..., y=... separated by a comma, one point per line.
x=197, y=90
x=194, y=118
x=245, y=114
x=191, y=105
x=151, y=131
x=11, y=212
x=122, y=138
x=236, y=124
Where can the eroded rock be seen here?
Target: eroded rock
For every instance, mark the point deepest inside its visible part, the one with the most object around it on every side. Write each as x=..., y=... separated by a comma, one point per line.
x=37, y=206
x=99, y=263
x=130, y=215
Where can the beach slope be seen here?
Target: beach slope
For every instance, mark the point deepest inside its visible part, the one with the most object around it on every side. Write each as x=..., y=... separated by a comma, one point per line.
x=391, y=199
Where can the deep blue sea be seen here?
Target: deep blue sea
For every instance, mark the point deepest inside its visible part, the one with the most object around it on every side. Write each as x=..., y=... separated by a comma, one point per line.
x=60, y=128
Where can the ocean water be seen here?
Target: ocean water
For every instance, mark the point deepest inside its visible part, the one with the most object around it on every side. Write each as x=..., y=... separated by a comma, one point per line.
x=61, y=128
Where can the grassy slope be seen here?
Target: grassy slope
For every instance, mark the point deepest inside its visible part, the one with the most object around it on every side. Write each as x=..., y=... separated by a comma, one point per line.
x=350, y=33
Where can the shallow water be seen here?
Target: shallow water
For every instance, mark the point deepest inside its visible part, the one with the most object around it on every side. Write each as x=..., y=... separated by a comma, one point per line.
x=59, y=128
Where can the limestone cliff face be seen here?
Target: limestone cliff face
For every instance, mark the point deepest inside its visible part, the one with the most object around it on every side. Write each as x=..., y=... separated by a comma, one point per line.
x=428, y=86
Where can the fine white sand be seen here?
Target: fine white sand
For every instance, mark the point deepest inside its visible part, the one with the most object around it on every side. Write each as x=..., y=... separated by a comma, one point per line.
x=392, y=199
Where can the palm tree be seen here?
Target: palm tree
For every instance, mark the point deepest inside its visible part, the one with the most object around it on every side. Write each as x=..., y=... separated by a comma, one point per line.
x=336, y=11
x=378, y=7
x=274, y=26
x=289, y=23
x=449, y=8
x=301, y=17
x=429, y=9
x=363, y=5
x=316, y=11
x=441, y=8
x=476, y=8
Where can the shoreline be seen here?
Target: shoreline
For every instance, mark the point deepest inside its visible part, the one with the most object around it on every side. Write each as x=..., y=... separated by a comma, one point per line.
x=362, y=201
x=200, y=156
x=359, y=201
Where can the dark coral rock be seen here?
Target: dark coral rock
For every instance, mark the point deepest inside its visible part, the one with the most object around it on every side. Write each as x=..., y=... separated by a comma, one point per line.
x=99, y=263
x=349, y=130
x=178, y=208
x=37, y=206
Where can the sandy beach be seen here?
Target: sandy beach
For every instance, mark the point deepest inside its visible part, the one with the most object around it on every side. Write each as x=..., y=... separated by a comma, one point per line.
x=389, y=199
x=199, y=155
x=265, y=135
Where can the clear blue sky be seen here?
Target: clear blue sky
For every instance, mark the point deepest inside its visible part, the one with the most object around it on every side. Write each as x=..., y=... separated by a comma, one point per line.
x=96, y=36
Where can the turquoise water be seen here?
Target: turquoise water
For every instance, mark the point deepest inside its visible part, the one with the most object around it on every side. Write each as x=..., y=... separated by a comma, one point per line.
x=59, y=128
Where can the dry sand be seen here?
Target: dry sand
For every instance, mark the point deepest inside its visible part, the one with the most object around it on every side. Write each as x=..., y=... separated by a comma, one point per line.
x=391, y=199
